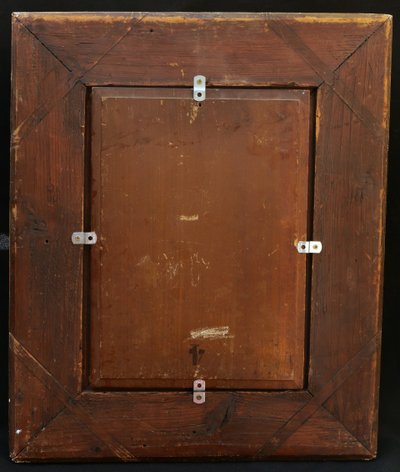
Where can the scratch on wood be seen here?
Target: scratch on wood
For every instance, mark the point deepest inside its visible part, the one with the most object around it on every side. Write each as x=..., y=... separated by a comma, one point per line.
x=195, y=268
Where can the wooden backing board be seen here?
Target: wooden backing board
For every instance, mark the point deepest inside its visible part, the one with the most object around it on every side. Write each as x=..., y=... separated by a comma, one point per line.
x=345, y=61
x=196, y=273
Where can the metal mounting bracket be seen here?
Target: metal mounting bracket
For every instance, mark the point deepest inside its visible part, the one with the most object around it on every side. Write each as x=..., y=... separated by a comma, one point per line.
x=80, y=237
x=199, y=88
x=199, y=391
x=309, y=247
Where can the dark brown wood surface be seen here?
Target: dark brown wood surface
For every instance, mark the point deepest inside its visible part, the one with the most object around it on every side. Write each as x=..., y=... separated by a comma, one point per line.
x=196, y=273
x=344, y=60
x=46, y=202
x=350, y=185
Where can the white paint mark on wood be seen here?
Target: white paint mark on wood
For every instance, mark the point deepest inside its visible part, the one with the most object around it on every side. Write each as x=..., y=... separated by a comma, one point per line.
x=172, y=269
x=217, y=332
x=144, y=260
x=19, y=431
x=194, y=269
x=188, y=217
x=207, y=264
x=193, y=112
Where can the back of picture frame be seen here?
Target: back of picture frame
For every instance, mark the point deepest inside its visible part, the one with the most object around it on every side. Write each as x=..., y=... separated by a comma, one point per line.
x=197, y=276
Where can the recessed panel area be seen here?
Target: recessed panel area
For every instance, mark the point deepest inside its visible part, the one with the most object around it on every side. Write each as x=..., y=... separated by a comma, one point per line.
x=198, y=207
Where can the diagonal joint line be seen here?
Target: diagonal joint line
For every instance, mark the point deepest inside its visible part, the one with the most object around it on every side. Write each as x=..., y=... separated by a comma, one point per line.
x=289, y=36
x=382, y=25
x=295, y=42
x=42, y=43
x=38, y=433
x=118, y=41
x=361, y=443
x=70, y=402
x=320, y=397
x=43, y=109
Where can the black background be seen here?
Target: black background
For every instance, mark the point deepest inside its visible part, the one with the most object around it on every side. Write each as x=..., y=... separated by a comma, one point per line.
x=389, y=433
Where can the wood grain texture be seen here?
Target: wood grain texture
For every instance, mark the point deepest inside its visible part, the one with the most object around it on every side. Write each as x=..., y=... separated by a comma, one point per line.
x=196, y=251
x=350, y=185
x=179, y=46
x=323, y=437
x=345, y=60
x=32, y=405
x=162, y=425
x=46, y=202
x=65, y=439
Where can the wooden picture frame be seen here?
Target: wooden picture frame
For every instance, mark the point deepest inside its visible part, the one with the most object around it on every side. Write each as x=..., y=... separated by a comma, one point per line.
x=344, y=60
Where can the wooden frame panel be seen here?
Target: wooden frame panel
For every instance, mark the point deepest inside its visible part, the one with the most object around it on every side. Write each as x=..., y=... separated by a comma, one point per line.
x=105, y=204
x=346, y=58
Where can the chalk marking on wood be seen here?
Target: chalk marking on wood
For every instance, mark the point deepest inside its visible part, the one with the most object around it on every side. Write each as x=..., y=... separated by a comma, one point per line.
x=217, y=332
x=144, y=260
x=188, y=217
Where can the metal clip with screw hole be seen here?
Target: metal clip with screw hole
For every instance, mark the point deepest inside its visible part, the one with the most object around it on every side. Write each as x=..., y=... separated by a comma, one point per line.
x=84, y=238
x=199, y=88
x=309, y=247
x=199, y=391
